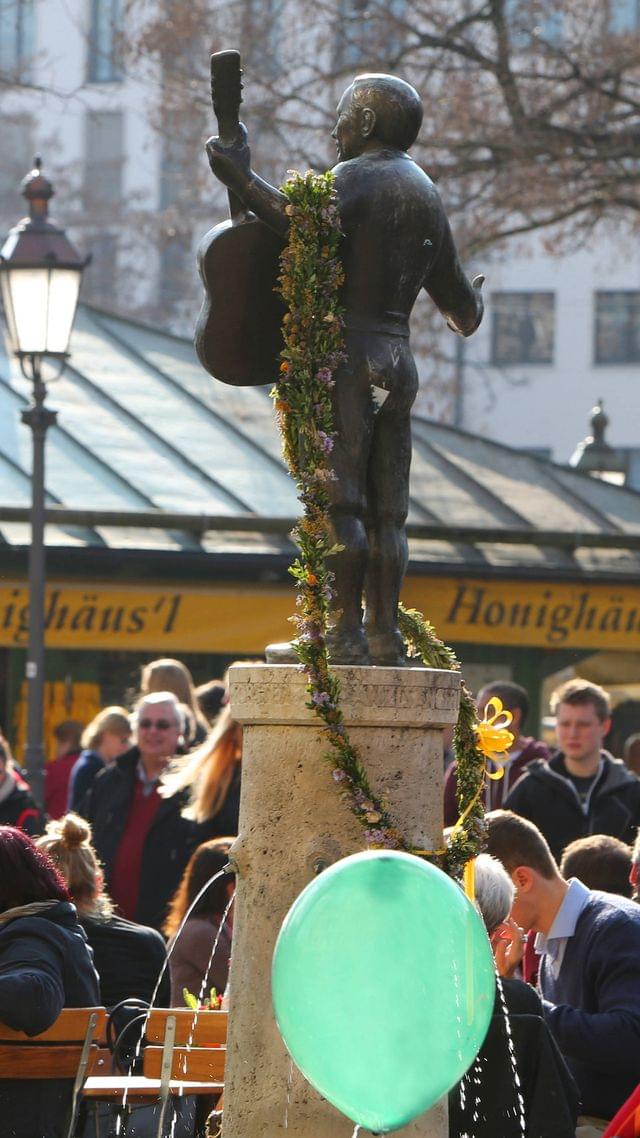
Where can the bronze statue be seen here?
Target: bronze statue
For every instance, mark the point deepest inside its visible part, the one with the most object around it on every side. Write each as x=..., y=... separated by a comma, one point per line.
x=396, y=240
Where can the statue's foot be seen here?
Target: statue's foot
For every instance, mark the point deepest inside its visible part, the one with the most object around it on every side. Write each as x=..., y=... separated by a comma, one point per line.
x=348, y=647
x=387, y=649
x=283, y=653
x=342, y=648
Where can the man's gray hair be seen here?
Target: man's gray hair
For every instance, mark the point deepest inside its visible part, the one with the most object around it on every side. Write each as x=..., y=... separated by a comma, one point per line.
x=494, y=891
x=154, y=698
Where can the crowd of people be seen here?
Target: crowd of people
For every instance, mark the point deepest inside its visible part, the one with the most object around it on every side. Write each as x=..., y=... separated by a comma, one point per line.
x=141, y=806
x=563, y=830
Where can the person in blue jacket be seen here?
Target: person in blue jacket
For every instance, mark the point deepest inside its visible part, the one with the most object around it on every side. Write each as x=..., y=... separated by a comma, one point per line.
x=45, y=966
x=589, y=968
x=103, y=741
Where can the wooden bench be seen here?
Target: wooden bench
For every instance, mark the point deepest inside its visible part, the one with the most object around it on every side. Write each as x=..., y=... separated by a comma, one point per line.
x=184, y=1055
x=66, y=1050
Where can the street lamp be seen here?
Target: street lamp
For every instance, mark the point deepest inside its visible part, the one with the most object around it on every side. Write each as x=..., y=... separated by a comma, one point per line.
x=595, y=456
x=40, y=273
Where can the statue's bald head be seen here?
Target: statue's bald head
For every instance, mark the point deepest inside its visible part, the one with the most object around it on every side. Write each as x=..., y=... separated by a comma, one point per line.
x=396, y=105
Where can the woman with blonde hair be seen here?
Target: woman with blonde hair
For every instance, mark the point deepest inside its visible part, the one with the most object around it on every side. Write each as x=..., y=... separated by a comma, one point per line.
x=106, y=738
x=174, y=676
x=211, y=774
x=128, y=957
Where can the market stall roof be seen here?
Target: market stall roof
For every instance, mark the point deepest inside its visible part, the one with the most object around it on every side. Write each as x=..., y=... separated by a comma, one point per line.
x=151, y=455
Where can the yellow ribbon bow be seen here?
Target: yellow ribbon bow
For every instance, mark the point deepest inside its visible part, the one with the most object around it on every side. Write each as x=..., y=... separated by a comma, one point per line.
x=494, y=739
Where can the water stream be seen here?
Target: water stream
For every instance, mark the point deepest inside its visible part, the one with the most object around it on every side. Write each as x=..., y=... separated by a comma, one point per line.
x=136, y=1055
x=472, y=1083
x=201, y=996
x=288, y=1102
x=512, y=1058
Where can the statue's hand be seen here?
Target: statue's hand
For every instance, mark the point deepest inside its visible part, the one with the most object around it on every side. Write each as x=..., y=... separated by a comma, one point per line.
x=478, y=282
x=231, y=164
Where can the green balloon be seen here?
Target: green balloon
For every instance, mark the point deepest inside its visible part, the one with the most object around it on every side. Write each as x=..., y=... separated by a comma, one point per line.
x=383, y=986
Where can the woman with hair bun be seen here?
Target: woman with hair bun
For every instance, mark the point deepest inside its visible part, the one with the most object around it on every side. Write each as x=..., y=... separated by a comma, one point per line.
x=128, y=956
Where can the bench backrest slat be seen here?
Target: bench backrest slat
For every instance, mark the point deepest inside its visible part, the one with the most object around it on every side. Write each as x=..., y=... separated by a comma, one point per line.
x=59, y=1061
x=198, y=1064
x=70, y=1027
x=210, y=1027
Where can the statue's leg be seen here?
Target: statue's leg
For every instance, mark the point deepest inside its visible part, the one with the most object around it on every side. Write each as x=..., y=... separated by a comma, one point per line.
x=388, y=498
x=346, y=640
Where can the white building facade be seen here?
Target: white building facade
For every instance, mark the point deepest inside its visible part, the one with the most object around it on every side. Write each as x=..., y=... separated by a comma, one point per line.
x=559, y=332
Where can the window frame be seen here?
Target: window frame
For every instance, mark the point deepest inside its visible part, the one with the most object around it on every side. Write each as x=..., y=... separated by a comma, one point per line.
x=629, y=359
x=526, y=294
x=17, y=37
x=102, y=63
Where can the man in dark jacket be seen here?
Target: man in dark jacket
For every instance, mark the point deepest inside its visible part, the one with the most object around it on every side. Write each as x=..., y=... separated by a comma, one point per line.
x=582, y=790
x=142, y=839
x=590, y=964
x=522, y=751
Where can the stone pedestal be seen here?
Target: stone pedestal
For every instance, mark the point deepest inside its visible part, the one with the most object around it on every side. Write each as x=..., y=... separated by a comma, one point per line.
x=293, y=823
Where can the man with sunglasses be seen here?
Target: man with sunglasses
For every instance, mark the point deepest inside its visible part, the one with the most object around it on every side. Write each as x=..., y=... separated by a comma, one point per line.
x=142, y=839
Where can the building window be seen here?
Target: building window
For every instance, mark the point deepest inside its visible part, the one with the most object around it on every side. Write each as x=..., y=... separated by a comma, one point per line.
x=175, y=163
x=99, y=278
x=617, y=327
x=523, y=327
x=17, y=38
x=177, y=271
x=103, y=64
x=262, y=36
x=353, y=35
x=531, y=25
x=16, y=132
x=369, y=33
x=103, y=160
x=623, y=16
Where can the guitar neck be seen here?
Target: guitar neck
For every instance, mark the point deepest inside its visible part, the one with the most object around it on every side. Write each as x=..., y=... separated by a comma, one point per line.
x=226, y=96
x=226, y=93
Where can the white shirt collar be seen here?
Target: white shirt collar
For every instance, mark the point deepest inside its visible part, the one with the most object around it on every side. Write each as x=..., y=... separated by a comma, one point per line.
x=566, y=919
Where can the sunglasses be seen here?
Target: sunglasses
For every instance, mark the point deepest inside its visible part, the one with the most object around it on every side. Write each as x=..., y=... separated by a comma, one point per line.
x=161, y=724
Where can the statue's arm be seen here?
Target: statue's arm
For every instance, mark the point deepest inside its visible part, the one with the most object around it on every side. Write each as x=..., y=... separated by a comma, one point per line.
x=459, y=300
x=232, y=166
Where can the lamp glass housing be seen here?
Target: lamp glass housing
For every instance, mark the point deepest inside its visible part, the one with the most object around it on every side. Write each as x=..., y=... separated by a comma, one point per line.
x=40, y=305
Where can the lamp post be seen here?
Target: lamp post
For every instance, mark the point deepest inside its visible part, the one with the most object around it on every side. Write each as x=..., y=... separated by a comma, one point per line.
x=40, y=274
x=595, y=456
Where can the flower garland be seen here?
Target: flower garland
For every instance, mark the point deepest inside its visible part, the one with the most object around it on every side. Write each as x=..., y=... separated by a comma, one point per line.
x=313, y=332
